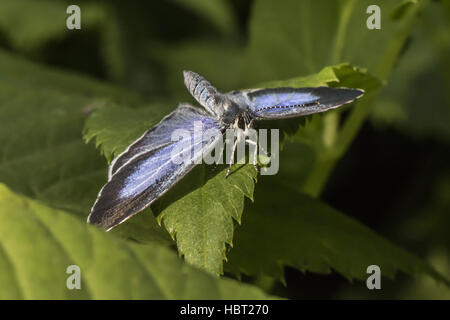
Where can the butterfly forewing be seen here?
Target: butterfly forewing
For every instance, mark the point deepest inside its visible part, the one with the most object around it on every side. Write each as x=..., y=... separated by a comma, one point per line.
x=146, y=170
x=279, y=103
x=160, y=134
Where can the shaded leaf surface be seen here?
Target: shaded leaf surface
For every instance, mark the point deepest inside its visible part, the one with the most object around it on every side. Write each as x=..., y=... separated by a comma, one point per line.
x=292, y=229
x=202, y=222
x=417, y=98
x=42, y=153
x=29, y=24
x=37, y=244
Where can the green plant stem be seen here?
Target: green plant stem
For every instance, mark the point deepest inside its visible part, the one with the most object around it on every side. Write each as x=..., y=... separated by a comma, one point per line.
x=323, y=165
x=326, y=160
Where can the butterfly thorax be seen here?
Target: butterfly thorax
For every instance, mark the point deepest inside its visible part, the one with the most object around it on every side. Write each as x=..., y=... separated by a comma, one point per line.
x=232, y=111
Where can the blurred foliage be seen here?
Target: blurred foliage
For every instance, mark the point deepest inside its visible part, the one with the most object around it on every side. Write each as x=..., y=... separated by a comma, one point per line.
x=417, y=98
x=321, y=236
x=36, y=235
x=121, y=73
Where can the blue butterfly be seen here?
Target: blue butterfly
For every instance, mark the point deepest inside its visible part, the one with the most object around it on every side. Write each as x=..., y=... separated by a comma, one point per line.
x=144, y=171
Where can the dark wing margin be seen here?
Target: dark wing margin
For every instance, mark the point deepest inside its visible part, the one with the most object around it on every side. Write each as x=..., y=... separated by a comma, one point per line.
x=146, y=170
x=279, y=103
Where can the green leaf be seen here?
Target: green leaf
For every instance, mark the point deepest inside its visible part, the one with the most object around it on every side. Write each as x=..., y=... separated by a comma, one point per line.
x=402, y=8
x=30, y=24
x=417, y=98
x=25, y=75
x=305, y=43
x=38, y=243
x=42, y=153
x=113, y=127
x=218, y=12
x=202, y=220
x=324, y=77
x=291, y=229
x=314, y=140
x=143, y=228
x=201, y=57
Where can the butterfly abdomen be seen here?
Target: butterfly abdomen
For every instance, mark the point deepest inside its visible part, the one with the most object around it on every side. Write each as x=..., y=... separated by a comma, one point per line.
x=202, y=91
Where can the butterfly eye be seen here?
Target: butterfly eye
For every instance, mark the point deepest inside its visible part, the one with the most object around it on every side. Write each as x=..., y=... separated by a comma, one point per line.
x=231, y=109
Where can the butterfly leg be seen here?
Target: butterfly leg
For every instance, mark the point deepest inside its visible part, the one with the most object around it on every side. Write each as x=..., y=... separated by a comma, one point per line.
x=255, y=153
x=253, y=143
x=232, y=158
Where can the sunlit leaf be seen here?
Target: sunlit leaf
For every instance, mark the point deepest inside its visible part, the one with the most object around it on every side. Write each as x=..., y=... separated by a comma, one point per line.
x=38, y=243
